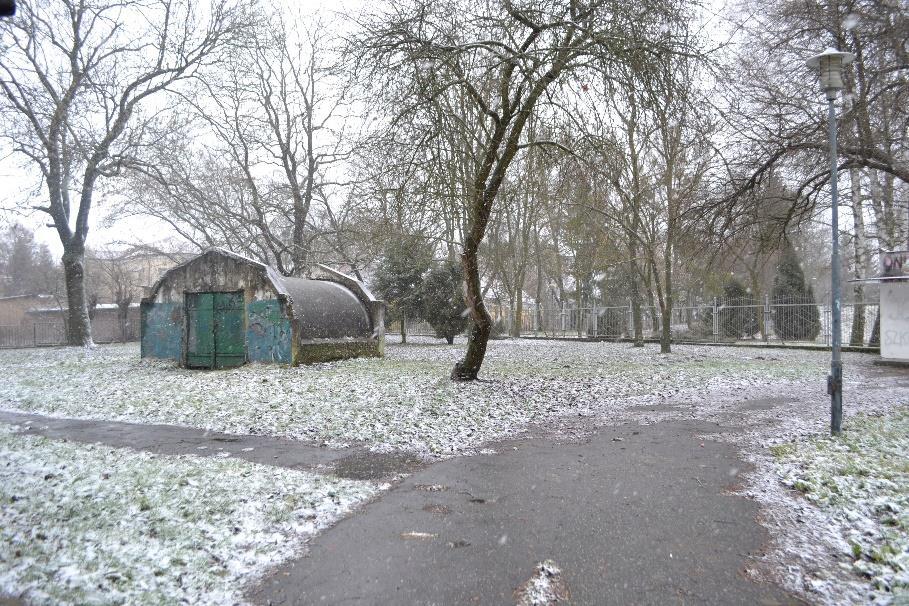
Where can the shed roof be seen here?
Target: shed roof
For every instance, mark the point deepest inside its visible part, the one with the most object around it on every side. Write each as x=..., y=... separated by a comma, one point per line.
x=330, y=307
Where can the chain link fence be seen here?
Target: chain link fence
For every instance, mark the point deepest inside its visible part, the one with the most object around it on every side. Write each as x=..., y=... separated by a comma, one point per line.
x=734, y=321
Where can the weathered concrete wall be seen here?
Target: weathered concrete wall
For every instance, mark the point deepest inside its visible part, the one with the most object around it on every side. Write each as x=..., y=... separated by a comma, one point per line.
x=314, y=351
x=215, y=273
x=162, y=330
x=268, y=332
x=274, y=334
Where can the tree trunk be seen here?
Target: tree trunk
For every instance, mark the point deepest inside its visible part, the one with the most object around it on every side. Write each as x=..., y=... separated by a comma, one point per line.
x=468, y=368
x=78, y=325
x=666, y=307
x=403, y=329
x=857, y=335
x=635, y=288
x=516, y=321
x=875, y=340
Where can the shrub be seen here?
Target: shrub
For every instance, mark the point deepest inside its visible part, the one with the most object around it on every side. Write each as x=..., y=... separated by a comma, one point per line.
x=738, y=315
x=795, y=312
x=443, y=301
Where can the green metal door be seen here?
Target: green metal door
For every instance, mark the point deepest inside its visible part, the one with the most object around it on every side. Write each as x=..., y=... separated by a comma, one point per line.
x=215, y=332
x=200, y=335
x=230, y=334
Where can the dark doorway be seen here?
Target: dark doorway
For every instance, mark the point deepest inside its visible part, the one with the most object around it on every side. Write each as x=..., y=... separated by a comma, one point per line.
x=215, y=333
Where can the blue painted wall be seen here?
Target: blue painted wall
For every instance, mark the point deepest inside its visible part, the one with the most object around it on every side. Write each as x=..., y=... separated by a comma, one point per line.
x=268, y=333
x=162, y=330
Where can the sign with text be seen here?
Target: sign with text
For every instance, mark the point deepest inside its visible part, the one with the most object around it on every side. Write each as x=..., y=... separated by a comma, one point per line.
x=895, y=320
x=895, y=264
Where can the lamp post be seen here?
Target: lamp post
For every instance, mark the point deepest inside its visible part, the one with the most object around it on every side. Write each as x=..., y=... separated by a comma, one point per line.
x=830, y=65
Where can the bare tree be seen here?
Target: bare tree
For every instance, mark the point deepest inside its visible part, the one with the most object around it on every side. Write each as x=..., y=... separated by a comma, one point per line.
x=76, y=79
x=505, y=59
x=254, y=166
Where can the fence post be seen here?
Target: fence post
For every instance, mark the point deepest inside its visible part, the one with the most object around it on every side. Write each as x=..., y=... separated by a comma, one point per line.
x=593, y=318
x=716, y=322
x=536, y=315
x=562, y=319
x=35, y=334
x=826, y=326
x=767, y=317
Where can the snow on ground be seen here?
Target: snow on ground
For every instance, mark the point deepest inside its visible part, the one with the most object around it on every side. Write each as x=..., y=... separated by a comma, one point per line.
x=404, y=401
x=89, y=524
x=545, y=588
x=860, y=480
x=760, y=399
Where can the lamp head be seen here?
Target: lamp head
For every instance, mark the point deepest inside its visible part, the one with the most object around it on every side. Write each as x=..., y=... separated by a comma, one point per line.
x=830, y=64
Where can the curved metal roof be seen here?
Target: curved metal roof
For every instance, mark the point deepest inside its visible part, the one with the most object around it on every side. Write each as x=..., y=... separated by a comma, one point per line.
x=326, y=310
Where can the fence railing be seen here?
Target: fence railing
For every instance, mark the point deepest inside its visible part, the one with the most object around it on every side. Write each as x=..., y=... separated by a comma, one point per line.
x=43, y=334
x=715, y=323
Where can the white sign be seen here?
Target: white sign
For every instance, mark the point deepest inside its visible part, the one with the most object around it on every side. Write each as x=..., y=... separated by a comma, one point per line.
x=895, y=320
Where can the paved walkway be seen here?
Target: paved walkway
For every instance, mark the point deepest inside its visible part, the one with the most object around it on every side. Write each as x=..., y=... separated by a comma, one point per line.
x=630, y=514
x=633, y=515
x=354, y=463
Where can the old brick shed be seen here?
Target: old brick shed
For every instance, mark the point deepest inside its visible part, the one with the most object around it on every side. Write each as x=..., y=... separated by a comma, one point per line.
x=221, y=309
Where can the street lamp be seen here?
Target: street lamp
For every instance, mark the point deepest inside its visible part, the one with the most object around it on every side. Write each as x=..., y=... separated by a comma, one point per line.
x=830, y=65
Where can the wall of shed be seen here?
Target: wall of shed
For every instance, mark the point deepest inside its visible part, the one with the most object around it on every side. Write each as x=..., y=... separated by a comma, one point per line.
x=162, y=330
x=314, y=352
x=268, y=332
x=271, y=336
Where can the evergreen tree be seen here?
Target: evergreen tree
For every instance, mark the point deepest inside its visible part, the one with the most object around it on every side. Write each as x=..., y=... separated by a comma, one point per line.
x=399, y=278
x=443, y=301
x=738, y=316
x=795, y=313
x=26, y=266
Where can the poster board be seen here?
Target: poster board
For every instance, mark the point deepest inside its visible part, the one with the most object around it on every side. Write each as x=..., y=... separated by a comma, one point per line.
x=895, y=320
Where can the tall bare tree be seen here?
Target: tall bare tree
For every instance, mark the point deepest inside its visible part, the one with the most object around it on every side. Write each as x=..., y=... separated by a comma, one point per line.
x=76, y=79
x=252, y=172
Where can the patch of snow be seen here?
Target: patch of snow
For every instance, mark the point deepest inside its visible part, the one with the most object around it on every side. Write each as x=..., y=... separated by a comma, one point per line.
x=84, y=524
x=405, y=401
x=545, y=588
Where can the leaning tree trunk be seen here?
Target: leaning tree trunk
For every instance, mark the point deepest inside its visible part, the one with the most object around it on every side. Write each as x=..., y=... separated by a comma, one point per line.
x=78, y=325
x=481, y=325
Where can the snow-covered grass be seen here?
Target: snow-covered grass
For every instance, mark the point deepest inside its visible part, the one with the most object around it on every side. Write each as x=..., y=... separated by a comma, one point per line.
x=88, y=524
x=760, y=398
x=861, y=480
x=403, y=401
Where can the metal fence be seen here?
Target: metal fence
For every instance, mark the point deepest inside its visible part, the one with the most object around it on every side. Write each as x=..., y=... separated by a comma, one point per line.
x=789, y=322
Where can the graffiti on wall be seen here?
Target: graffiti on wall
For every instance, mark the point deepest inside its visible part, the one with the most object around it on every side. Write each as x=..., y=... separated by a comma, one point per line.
x=268, y=332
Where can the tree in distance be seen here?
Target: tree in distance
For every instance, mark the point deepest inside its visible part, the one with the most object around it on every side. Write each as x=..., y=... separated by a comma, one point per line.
x=795, y=313
x=443, y=301
x=399, y=278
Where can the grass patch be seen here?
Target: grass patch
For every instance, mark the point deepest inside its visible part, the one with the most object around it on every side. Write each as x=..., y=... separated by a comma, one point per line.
x=861, y=478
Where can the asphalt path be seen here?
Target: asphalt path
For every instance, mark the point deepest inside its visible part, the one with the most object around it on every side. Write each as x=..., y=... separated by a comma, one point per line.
x=629, y=515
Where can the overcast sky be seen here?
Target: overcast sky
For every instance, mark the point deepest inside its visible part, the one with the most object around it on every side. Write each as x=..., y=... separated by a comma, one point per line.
x=19, y=183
